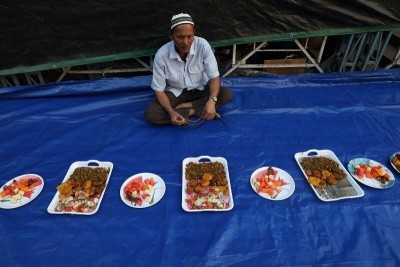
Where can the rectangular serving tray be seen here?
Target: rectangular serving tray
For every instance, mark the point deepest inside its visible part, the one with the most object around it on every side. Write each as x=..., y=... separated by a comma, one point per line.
x=345, y=188
x=92, y=164
x=184, y=181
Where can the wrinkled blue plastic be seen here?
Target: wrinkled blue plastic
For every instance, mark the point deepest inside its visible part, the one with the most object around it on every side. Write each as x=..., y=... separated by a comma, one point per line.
x=44, y=129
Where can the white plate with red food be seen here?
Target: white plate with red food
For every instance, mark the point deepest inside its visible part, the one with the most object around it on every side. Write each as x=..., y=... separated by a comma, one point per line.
x=395, y=161
x=142, y=190
x=20, y=190
x=371, y=173
x=82, y=189
x=272, y=183
x=206, y=185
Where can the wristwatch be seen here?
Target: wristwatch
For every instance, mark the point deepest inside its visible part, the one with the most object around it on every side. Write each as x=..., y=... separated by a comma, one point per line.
x=214, y=98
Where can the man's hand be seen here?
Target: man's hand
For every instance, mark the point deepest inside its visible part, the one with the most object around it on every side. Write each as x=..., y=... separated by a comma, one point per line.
x=177, y=119
x=209, y=110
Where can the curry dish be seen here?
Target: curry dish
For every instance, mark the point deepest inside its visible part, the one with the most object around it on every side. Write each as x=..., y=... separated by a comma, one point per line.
x=322, y=171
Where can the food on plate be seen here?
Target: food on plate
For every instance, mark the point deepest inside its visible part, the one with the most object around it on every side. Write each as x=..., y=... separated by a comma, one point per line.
x=137, y=190
x=18, y=189
x=206, y=186
x=82, y=190
x=65, y=189
x=267, y=181
x=317, y=182
x=396, y=161
x=373, y=172
x=324, y=169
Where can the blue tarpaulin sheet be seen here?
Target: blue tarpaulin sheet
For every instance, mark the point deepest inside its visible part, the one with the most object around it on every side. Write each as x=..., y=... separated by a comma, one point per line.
x=46, y=128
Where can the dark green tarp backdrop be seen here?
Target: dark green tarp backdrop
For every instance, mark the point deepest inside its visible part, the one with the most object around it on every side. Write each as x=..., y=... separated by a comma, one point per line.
x=48, y=33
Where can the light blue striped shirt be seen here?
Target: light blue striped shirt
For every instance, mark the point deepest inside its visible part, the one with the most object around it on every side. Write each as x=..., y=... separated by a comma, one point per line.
x=171, y=73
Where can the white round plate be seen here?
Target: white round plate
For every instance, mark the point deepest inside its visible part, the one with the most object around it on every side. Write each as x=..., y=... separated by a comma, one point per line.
x=371, y=182
x=287, y=189
x=394, y=166
x=6, y=204
x=159, y=189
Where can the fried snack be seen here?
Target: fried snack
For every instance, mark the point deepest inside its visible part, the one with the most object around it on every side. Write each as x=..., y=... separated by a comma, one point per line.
x=223, y=189
x=65, y=189
x=207, y=176
x=323, y=168
x=317, y=182
x=205, y=183
x=331, y=180
x=192, y=183
x=396, y=161
x=90, y=180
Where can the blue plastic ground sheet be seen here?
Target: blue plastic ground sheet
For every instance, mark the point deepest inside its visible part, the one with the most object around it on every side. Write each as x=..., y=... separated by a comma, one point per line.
x=46, y=128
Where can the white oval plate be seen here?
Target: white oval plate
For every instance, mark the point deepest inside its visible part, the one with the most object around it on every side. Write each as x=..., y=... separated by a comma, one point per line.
x=371, y=182
x=159, y=190
x=287, y=189
x=4, y=204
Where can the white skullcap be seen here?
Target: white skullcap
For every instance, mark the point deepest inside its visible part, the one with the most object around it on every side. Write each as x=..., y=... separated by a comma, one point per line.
x=181, y=19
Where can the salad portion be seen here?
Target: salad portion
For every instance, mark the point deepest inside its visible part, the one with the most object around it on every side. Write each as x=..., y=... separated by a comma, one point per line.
x=371, y=173
x=200, y=195
x=142, y=190
x=20, y=190
x=138, y=191
x=272, y=183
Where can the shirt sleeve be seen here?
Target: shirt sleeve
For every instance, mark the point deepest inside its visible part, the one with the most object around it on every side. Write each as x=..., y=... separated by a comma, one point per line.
x=210, y=62
x=158, y=82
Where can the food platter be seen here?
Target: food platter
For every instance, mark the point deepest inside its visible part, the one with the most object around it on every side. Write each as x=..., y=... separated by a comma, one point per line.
x=206, y=184
x=375, y=175
x=150, y=188
x=394, y=158
x=23, y=194
x=344, y=188
x=272, y=183
x=82, y=201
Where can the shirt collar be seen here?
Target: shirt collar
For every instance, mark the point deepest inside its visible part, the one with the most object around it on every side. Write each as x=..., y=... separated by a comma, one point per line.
x=174, y=55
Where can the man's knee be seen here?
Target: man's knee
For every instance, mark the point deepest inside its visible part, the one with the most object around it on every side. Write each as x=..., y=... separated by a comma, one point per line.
x=225, y=95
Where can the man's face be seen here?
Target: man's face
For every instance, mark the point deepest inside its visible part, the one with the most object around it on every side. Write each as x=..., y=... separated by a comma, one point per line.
x=183, y=37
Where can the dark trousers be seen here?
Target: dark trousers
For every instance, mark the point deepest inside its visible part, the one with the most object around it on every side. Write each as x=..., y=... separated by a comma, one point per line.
x=155, y=113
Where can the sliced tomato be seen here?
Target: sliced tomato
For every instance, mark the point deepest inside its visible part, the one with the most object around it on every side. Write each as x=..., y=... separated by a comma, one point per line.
x=80, y=207
x=138, y=179
x=68, y=208
x=360, y=172
x=264, y=190
x=9, y=190
x=38, y=182
x=270, y=192
x=208, y=204
x=3, y=194
x=28, y=194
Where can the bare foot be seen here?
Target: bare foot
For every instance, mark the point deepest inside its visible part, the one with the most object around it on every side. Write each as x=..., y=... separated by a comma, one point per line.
x=185, y=105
